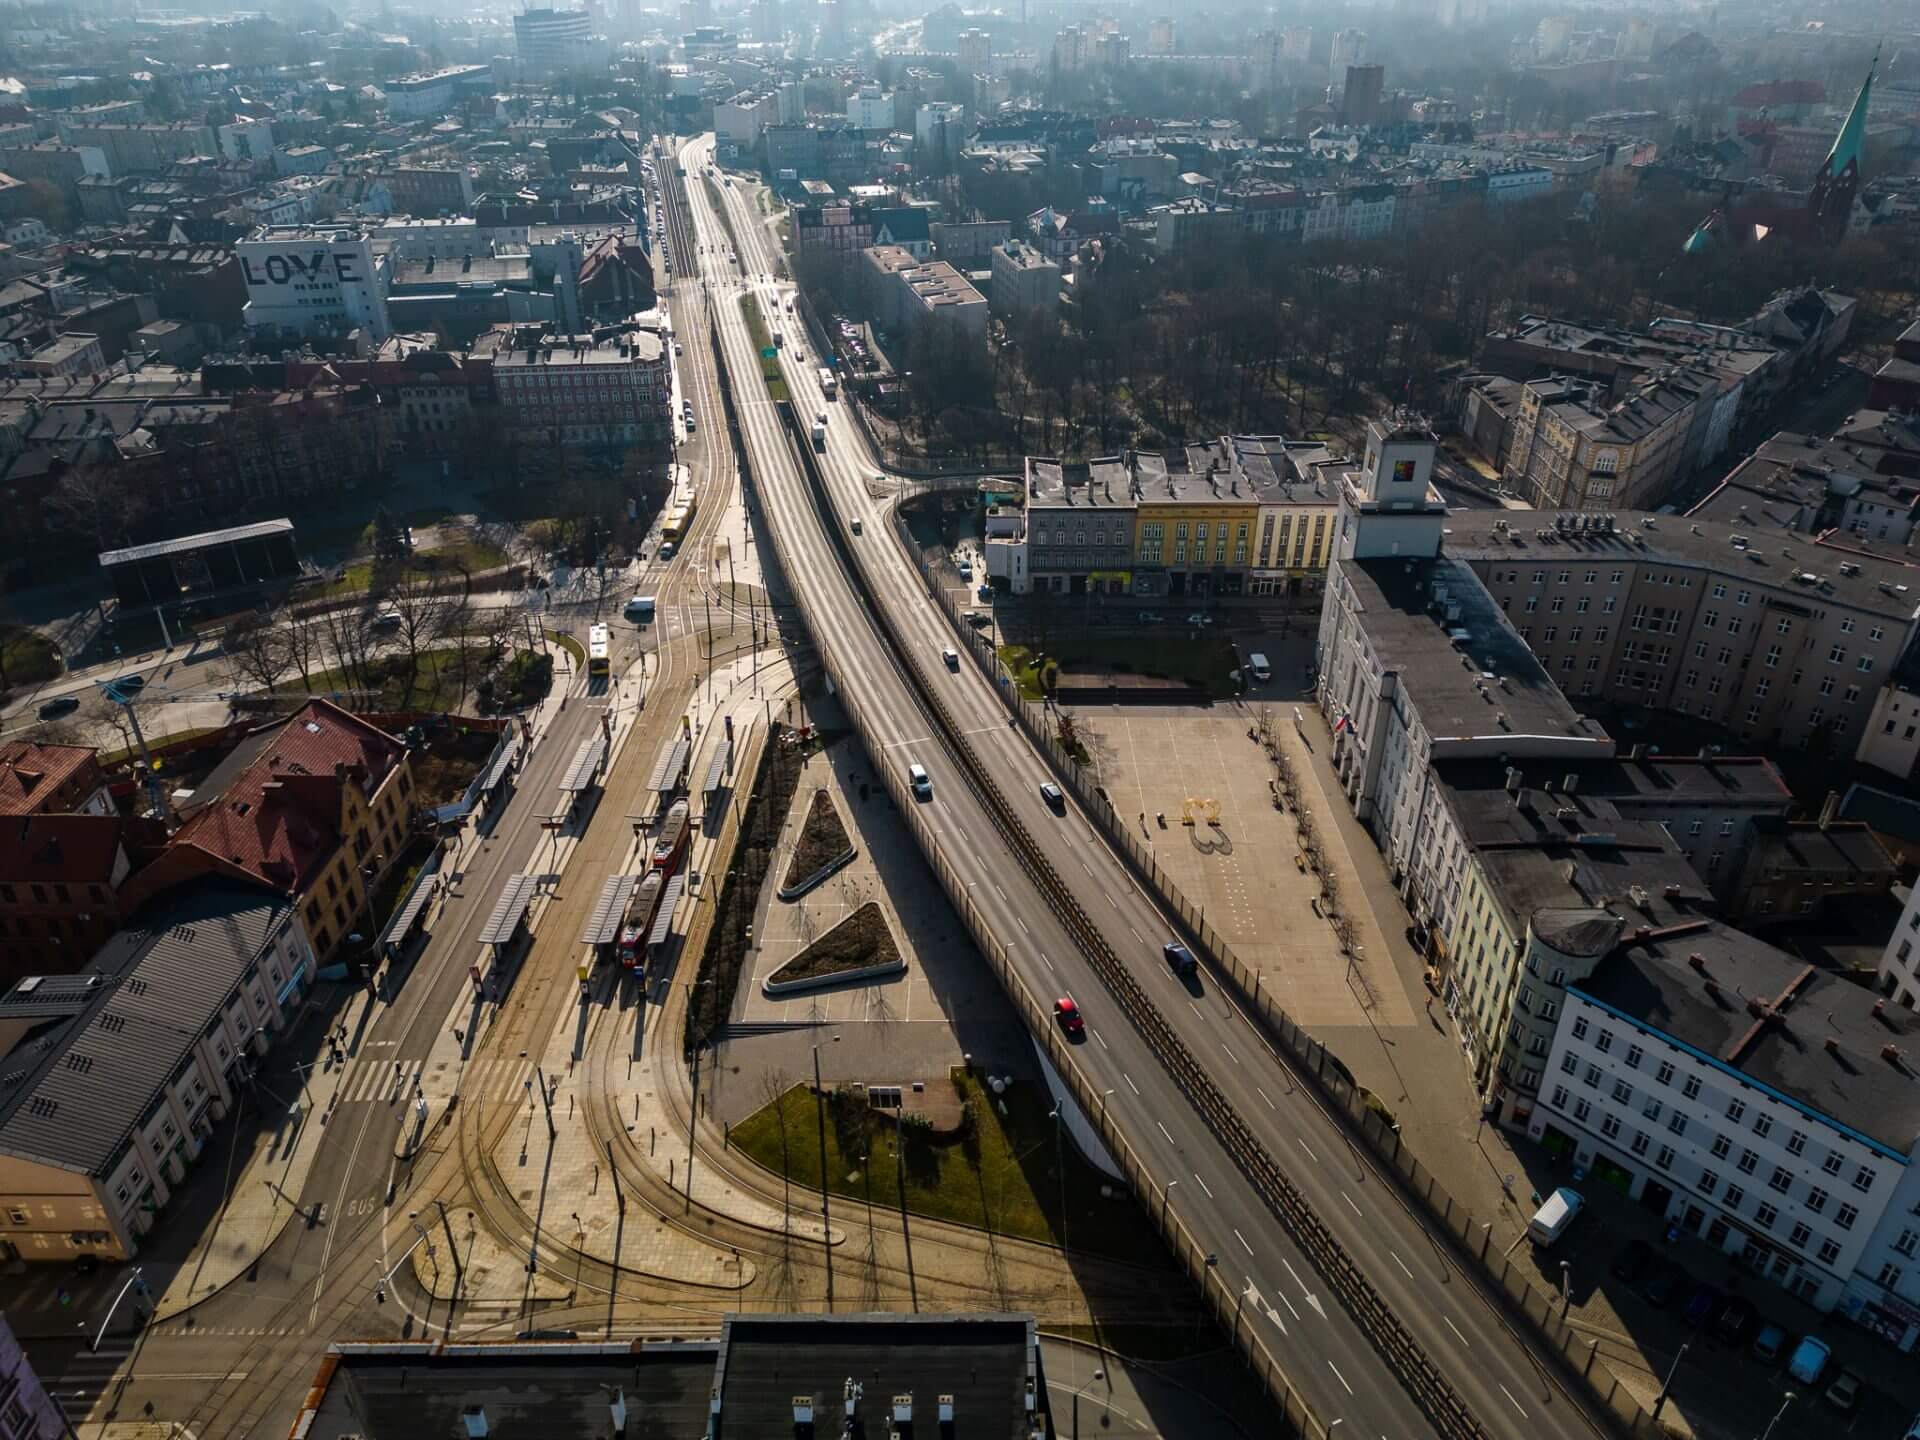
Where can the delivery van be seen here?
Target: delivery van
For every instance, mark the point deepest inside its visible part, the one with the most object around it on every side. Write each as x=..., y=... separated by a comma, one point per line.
x=1551, y=1220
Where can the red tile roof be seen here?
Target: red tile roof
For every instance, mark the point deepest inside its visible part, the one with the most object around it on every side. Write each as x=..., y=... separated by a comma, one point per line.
x=60, y=849
x=279, y=821
x=32, y=773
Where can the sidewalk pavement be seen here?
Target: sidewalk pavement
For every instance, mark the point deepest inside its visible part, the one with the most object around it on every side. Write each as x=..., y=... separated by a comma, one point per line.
x=1416, y=1067
x=269, y=1178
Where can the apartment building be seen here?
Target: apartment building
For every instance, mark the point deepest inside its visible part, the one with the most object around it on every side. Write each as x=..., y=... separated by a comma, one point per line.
x=315, y=808
x=111, y=1081
x=1574, y=448
x=1756, y=1102
x=607, y=388
x=288, y=444
x=1781, y=639
x=909, y=294
x=1417, y=662
x=1898, y=974
x=838, y=229
x=1864, y=480
x=64, y=880
x=1548, y=895
x=1891, y=738
x=434, y=93
x=1024, y=279
x=37, y=778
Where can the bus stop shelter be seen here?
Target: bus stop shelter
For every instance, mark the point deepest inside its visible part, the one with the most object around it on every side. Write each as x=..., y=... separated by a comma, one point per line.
x=583, y=769
x=663, y=918
x=505, y=923
x=671, y=769
x=602, y=925
x=718, y=769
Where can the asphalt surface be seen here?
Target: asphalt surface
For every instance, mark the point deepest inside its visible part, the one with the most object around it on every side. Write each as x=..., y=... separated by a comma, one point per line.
x=1323, y=1349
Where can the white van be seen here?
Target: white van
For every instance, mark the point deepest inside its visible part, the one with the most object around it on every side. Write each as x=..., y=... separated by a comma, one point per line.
x=1262, y=672
x=1551, y=1220
x=921, y=782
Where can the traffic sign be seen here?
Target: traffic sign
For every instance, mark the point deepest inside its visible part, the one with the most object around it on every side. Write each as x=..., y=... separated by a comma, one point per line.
x=769, y=353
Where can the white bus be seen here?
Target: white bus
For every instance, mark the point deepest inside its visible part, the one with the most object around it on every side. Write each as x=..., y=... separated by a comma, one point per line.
x=829, y=387
x=599, y=652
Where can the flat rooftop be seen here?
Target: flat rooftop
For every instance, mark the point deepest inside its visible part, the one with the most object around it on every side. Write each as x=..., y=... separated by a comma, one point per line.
x=1819, y=1045
x=1467, y=670
x=1796, y=567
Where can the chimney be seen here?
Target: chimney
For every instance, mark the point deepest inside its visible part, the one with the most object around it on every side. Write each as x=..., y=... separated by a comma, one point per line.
x=476, y=1418
x=1513, y=781
x=1698, y=962
x=1891, y=1054
x=1570, y=784
x=1833, y=1044
x=903, y=1409
x=1830, y=809
x=1637, y=754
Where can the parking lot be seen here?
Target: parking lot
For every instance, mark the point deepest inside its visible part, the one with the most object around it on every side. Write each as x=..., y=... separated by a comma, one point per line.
x=1648, y=1302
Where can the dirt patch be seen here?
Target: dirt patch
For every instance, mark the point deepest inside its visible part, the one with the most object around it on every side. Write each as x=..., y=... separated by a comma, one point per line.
x=446, y=766
x=823, y=840
x=864, y=938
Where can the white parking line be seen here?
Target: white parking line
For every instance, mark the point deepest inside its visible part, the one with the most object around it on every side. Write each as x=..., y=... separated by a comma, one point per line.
x=1268, y=1098
x=1096, y=1035
x=1456, y=1333
x=1164, y=1131
x=1230, y=1055
x=1044, y=961
x=1023, y=926
x=1135, y=933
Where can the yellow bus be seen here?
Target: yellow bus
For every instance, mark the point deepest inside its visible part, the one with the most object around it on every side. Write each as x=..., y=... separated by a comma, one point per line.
x=599, y=652
x=678, y=520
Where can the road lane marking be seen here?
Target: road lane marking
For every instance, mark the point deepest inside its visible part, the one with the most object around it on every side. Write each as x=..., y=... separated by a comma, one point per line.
x=1230, y=1055
x=1268, y=1098
x=1003, y=896
x=1023, y=926
x=1310, y=1155
x=1044, y=961
x=1343, y=1379
x=1243, y=1243
x=1166, y=1132
x=1203, y=1184
x=1110, y=900
x=1353, y=1207
x=1096, y=1035
x=1130, y=1085
x=1193, y=1007
x=1135, y=933
x=1456, y=1332
x=1402, y=1264
x=1513, y=1402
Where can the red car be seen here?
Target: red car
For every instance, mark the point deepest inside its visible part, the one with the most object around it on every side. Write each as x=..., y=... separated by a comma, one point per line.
x=1068, y=1014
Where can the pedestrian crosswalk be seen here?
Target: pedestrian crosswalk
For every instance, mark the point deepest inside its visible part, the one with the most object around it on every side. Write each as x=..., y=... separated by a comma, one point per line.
x=375, y=1081
x=88, y=1374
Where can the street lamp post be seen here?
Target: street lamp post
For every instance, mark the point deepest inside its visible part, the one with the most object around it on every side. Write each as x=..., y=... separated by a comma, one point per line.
x=1767, y=1433
x=1666, y=1386
x=1566, y=1288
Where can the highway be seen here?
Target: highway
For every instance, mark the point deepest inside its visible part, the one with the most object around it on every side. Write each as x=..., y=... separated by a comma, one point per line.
x=1214, y=1144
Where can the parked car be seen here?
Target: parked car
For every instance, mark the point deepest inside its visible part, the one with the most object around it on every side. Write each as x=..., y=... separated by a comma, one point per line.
x=1809, y=1360
x=1068, y=1014
x=1844, y=1393
x=1661, y=1283
x=1555, y=1214
x=1736, y=1322
x=1702, y=1305
x=1769, y=1343
x=58, y=706
x=1631, y=1263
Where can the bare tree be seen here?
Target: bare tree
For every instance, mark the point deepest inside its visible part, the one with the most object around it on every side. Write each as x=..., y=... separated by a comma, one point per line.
x=95, y=502
x=258, y=656
x=306, y=641
x=346, y=636
x=425, y=612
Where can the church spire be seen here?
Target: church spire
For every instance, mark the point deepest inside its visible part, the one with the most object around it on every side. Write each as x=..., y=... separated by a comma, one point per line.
x=1830, y=205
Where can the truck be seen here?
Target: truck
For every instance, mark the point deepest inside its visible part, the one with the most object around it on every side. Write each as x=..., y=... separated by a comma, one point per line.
x=819, y=435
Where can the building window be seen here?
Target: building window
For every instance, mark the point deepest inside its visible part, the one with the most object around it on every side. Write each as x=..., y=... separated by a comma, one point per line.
x=1622, y=1092
x=1890, y=1275
x=1829, y=1251
x=1677, y=1123
x=1640, y=1140
x=1692, y=1087
x=1799, y=1235
x=1721, y=1147
x=1864, y=1177
x=1580, y=1028
x=1664, y=1074
x=1905, y=1244
x=1664, y=1157
x=1581, y=1110
x=1559, y=1100
x=1634, y=1056
x=1781, y=1179
x=1709, y=1182
x=1736, y=1109
x=1765, y=1214
x=1796, y=1142
x=1845, y=1216
x=1733, y=1197
x=1762, y=1124
x=1592, y=1078
x=1605, y=1042
x=1817, y=1200
x=1748, y=1161
x=1610, y=1127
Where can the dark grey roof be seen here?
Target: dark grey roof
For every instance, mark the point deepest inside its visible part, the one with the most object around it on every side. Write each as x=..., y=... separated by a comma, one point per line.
x=72, y=1090
x=1824, y=1048
x=984, y=1361
x=410, y=1392
x=1886, y=812
x=1442, y=649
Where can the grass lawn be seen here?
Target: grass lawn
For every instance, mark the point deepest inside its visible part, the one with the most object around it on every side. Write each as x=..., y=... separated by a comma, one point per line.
x=762, y=342
x=1172, y=653
x=436, y=687
x=30, y=657
x=1005, y=1175
x=572, y=646
x=473, y=555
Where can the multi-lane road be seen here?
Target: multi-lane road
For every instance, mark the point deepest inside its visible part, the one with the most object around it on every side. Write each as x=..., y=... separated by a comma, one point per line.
x=1331, y=1359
